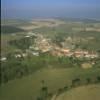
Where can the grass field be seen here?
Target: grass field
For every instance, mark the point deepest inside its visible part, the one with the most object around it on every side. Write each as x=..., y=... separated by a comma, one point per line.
x=91, y=92
x=28, y=88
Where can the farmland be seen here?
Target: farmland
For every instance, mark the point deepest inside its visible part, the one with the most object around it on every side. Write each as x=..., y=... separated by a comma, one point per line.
x=54, y=79
x=82, y=93
x=42, y=57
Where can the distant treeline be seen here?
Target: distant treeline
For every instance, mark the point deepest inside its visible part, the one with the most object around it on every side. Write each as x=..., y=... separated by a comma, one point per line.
x=10, y=29
x=85, y=20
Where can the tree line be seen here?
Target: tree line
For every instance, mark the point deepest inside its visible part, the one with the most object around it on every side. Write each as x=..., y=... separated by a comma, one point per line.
x=44, y=91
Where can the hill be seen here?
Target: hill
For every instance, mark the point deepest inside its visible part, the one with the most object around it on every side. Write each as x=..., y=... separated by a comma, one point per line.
x=90, y=92
x=28, y=88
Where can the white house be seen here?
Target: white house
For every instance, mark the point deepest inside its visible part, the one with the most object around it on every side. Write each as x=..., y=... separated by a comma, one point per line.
x=3, y=59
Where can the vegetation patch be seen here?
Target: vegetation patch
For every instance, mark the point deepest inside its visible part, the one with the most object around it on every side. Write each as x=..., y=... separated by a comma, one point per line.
x=10, y=29
x=90, y=92
x=86, y=65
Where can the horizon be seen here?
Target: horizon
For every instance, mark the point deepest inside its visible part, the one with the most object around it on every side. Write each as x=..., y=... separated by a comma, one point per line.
x=29, y=9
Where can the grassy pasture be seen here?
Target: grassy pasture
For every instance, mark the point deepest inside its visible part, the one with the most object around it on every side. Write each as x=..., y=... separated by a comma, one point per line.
x=28, y=88
x=90, y=92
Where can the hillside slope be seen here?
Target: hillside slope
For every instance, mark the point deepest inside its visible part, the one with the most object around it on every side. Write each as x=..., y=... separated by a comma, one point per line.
x=90, y=92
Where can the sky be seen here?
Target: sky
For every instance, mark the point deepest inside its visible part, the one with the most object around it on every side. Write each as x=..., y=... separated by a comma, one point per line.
x=50, y=8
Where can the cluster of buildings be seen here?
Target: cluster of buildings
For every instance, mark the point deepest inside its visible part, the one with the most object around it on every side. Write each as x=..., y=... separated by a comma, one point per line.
x=44, y=45
x=21, y=55
x=75, y=53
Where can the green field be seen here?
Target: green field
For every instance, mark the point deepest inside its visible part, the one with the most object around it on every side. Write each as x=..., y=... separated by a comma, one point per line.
x=91, y=92
x=28, y=88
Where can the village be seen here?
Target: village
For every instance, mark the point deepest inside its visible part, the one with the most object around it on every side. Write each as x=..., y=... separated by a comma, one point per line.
x=45, y=45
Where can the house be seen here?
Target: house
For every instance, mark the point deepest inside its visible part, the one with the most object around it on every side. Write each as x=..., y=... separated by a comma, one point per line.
x=78, y=53
x=27, y=36
x=24, y=54
x=70, y=54
x=31, y=34
x=31, y=47
x=65, y=50
x=35, y=53
x=18, y=56
x=81, y=53
x=91, y=56
x=3, y=59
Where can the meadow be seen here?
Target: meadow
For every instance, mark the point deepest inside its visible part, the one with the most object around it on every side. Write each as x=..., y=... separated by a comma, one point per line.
x=28, y=88
x=90, y=92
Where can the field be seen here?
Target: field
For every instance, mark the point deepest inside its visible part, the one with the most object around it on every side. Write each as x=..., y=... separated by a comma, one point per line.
x=23, y=77
x=90, y=92
x=28, y=88
x=21, y=25
x=42, y=23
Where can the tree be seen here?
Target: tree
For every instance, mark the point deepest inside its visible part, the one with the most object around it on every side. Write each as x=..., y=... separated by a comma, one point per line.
x=65, y=88
x=44, y=93
x=98, y=78
x=76, y=82
x=43, y=82
x=0, y=76
x=5, y=78
x=88, y=80
x=39, y=98
x=60, y=91
x=44, y=90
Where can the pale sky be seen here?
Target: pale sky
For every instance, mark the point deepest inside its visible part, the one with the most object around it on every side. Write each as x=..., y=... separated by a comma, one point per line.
x=50, y=8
